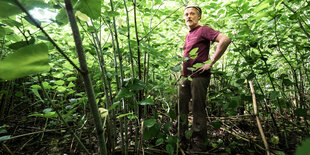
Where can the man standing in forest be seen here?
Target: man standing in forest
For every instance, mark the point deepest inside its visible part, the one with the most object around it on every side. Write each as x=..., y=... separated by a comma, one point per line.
x=196, y=89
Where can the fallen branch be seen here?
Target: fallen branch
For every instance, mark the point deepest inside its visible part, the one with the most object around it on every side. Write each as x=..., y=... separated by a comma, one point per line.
x=257, y=119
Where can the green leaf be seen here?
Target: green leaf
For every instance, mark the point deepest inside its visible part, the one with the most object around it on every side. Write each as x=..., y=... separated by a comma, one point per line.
x=112, y=13
x=35, y=91
x=159, y=141
x=31, y=22
x=176, y=68
x=2, y=131
x=149, y=133
x=149, y=122
x=61, y=89
x=46, y=115
x=147, y=101
x=185, y=59
x=304, y=148
x=32, y=59
x=198, y=65
x=191, y=68
x=216, y=125
x=47, y=110
x=103, y=112
x=124, y=93
x=11, y=22
x=8, y=9
x=136, y=85
x=59, y=82
x=4, y=138
x=169, y=149
x=123, y=115
x=92, y=8
x=114, y=105
x=71, y=79
x=82, y=16
x=188, y=134
x=263, y=5
x=172, y=140
x=61, y=17
x=20, y=44
x=193, y=54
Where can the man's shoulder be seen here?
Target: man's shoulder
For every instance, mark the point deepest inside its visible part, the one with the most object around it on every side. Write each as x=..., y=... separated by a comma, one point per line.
x=205, y=27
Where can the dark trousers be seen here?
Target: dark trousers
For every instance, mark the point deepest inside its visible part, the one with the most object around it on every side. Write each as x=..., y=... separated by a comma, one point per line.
x=197, y=91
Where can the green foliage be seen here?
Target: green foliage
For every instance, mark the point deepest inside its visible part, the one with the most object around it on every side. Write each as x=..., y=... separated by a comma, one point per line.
x=193, y=53
x=92, y=8
x=269, y=48
x=7, y=9
x=28, y=60
x=304, y=148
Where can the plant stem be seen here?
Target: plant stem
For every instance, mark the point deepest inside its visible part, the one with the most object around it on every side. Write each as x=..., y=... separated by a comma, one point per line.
x=87, y=82
x=257, y=119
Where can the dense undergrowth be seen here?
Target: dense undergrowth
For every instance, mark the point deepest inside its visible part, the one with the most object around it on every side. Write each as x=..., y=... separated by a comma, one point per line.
x=133, y=52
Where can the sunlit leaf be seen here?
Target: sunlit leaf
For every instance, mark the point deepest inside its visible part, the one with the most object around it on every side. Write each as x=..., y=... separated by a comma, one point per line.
x=82, y=16
x=193, y=53
x=147, y=101
x=263, y=5
x=28, y=60
x=103, y=112
x=92, y=8
x=198, y=65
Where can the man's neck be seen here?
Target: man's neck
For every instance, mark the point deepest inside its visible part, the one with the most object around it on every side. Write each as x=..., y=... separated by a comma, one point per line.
x=193, y=27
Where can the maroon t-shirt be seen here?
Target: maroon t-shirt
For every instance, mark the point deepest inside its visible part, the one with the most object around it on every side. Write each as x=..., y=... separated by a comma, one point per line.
x=200, y=38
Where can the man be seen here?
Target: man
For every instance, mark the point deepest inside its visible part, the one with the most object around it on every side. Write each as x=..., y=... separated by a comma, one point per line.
x=196, y=89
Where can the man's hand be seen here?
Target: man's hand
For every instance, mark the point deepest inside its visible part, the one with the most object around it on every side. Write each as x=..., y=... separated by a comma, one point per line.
x=205, y=67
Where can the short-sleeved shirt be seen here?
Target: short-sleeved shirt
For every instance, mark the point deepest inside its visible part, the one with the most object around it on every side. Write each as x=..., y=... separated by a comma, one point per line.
x=200, y=38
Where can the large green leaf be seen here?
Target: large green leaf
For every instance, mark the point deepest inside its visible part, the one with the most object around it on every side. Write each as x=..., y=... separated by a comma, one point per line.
x=92, y=8
x=304, y=148
x=28, y=60
x=8, y=9
x=61, y=17
x=193, y=53
x=149, y=122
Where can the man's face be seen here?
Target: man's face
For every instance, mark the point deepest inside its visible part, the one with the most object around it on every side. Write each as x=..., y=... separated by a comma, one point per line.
x=191, y=17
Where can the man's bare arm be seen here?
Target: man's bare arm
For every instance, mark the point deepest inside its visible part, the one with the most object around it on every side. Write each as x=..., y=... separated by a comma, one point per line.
x=223, y=42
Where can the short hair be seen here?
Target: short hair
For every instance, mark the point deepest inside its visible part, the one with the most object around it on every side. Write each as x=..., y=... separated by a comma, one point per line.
x=196, y=7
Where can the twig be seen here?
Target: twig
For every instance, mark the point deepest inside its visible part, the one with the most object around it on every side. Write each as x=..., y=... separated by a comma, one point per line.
x=247, y=140
x=7, y=149
x=32, y=133
x=257, y=119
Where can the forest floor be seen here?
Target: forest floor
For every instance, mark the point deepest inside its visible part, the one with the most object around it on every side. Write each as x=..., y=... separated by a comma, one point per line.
x=227, y=135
